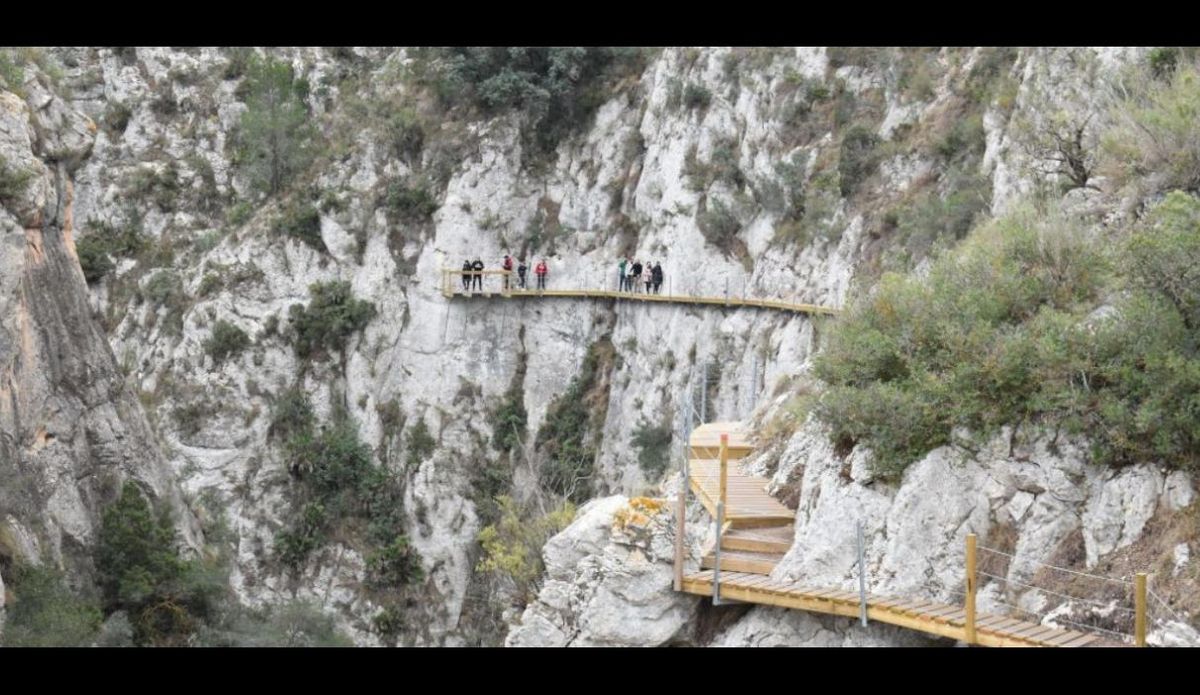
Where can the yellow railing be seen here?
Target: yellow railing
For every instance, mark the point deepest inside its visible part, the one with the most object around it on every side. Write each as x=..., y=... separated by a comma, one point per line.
x=506, y=283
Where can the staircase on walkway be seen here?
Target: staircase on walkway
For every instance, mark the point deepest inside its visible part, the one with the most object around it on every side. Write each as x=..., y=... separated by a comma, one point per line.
x=755, y=531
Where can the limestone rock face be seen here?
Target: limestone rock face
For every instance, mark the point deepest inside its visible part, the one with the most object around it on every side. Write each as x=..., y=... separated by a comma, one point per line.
x=70, y=429
x=608, y=581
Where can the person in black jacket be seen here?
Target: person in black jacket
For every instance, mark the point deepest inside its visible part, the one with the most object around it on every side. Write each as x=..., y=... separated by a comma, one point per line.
x=636, y=279
x=657, y=275
x=521, y=269
x=477, y=276
x=466, y=276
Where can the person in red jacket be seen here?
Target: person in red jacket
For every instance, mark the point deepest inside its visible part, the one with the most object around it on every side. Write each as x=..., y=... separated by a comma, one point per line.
x=540, y=270
x=507, y=268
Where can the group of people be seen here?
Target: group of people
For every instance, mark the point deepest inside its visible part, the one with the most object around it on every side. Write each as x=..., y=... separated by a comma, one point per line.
x=472, y=276
x=632, y=274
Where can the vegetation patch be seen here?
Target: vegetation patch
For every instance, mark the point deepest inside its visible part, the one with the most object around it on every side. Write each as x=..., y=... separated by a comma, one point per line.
x=568, y=441
x=331, y=317
x=1002, y=332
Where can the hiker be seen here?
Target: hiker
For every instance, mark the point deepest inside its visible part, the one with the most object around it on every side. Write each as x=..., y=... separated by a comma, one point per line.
x=629, y=276
x=541, y=273
x=521, y=273
x=658, y=278
x=466, y=276
x=649, y=277
x=477, y=276
x=507, y=265
x=635, y=278
x=621, y=273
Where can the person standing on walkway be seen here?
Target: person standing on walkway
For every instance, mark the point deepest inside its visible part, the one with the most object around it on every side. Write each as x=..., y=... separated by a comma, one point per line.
x=658, y=278
x=466, y=276
x=635, y=278
x=541, y=274
x=629, y=275
x=648, y=276
x=507, y=265
x=521, y=268
x=477, y=276
x=621, y=273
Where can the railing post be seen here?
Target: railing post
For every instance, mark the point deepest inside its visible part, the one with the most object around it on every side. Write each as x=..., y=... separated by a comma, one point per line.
x=724, y=468
x=680, y=521
x=717, y=565
x=970, y=623
x=721, y=499
x=1139, y=609
x=862, y=580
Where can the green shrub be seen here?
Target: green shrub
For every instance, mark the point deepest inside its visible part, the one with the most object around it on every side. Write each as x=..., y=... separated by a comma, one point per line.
x=1153, y=140
x=291, y=414
x=567, y=438
x=330, y=318
x=406, y=134
x=191, y=416
x=160, y=187
x=556, y=88
x=512, y=547
x=104, y=242
x=859, y=158
x=696, y=96
x=934, y=220
x=1163, y=61
x=12, y=76
x=13, y=182
x=340, y=484
x=165, y=289
x=44, y=612
x=93, y=259
x=239, y=62
x=294, y=545
x=411, y=199
x=226, y=341
x=653, y=443
x=420, y=443
x=210, y=284
x=719, y=225
x=395, y=564
x=509, y=420
x=240, y=213
x=302, y=222
x=915, y=358
x=966, y=137
x=116, y=117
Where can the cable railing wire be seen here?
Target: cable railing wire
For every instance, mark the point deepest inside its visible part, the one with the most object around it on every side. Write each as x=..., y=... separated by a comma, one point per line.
x=1060, y=569
x=1105, y=606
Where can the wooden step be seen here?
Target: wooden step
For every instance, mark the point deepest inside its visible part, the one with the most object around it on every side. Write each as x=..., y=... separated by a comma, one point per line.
x=767, y=539
x=742, y=561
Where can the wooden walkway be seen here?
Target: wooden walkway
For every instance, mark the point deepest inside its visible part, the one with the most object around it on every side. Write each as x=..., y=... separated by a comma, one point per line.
x=758, y=531
x=930, y=617
x=452, y=287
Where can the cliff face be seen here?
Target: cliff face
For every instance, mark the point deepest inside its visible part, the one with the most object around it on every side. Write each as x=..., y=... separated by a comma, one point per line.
x=71, y=430
x=698, y=160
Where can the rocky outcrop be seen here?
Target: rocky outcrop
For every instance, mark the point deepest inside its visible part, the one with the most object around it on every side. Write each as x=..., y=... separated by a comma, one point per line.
x=608, y=581
x=70, y=429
